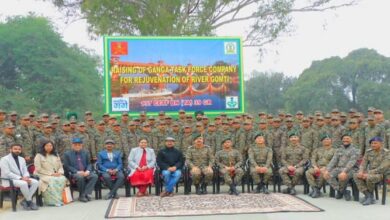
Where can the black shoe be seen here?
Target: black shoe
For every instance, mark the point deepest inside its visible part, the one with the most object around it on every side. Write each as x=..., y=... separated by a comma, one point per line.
x=32, y=205
x=347, y=195
x=365, y=197
x=293, y=192
x=83, y=199
x=311, y=192
x=339, y=194
x=25, y=205
x=204, y=189
x=233, y=190
x=88, y=197
x=197, y=190
x=265, y=190
x=259, y=187
x=317, y=193
x=108, y=196
x=286, y=191
x=370, y=199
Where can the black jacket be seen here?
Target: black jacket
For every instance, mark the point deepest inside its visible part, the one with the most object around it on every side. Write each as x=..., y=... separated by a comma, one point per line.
x=169, y=157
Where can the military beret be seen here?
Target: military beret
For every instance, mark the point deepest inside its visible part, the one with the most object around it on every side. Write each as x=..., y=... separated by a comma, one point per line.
x=226, y=139
x=169, y=139
x=198, y=113
x=109, y=141
x=324, y=136
x=77, y=140
x=346, y=134
x=292, y=133
x=259, y=134
x=196, y=136
x=376, y=139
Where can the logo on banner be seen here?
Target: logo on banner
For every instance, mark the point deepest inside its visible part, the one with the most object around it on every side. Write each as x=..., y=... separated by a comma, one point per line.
x=120, y=104
x=230, y=47
x=231, y=102
x=119, y=48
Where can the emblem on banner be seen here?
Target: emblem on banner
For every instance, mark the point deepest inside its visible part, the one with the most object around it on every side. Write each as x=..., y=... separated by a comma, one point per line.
x=231, y=102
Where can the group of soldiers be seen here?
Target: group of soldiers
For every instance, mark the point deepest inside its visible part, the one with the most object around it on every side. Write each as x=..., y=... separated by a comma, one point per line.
x=321, y=146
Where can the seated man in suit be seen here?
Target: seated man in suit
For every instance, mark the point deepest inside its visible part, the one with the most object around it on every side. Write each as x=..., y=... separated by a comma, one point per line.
x=110, y=165
x=78, y=163
x=14, y=167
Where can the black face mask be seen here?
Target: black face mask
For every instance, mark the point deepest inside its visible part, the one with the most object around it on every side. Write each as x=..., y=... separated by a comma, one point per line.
x=15, y=154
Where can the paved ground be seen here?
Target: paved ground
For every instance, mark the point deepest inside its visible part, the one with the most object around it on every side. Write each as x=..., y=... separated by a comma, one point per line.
x=334, y=210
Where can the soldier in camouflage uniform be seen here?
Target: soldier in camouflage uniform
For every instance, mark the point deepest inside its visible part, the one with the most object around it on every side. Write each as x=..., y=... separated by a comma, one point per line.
x=277, y=134
x=88, y=142
x=357, y=135
x=64, y=140
x=132, y=135
x=249, y=135
x=101, y=136
x=320, y=158
x=238, y=138
x=159, y=135
x=336, y=130
x=186, y=140
x=293, y=159
x=372, y=130
x=223, y=134
x=262, y=128
x=25, y=138
x=176, y=133
x=229, y=161
x=124, y=121
x=309, y=136
x=121, y=143
x=260, y=159
x=146, y=133
x=321, y=128
x=340, y=168
x=13, y=118
x=3, y=115
x=7, y=139
x=370, y=171
x=200, y=161
x=211, y=137
x=199, y=129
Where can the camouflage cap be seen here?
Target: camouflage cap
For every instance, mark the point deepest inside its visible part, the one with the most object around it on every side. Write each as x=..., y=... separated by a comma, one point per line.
x=320, y=118
x=187, y=126
x=9, y=125
x=65, y=123
x=371, y=109
x=247, y=123
x=131, y=123
x=136, y=119
x=101, y=122
x=317, y=113
x=288, y=120
x=145, y=124
x=249, y=116
x=116, y=124
x=378, y=111
x=13, y=113
x=352, y=110
x=81, y=124
x=223, y=114
x=44, y=115
x=88, y=113
x=151, y=118
x=334, y=118
x=236, y=121
x=2, y=111
x=161, y=113
x=276, y=120
x=125, y=114
x=73, y=121
x=327, y=116
x=24, y=117
x=261, y=113
x=370, y=118
x=288, y=115
x=112, y=117
x=47, y=126
x=335, y=110
x=353, y=121
x=270, y=116
x=168, y=117
x=211, y=124
x=106, y=115
x=175, y=124
x=306, y=119
x=299, y=113
x=343, y=114
x=31, y=114
x=182, y=111
x=263, y=121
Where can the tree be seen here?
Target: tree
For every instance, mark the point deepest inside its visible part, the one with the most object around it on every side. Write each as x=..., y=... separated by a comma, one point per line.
x=265, y=91
x=360, y=80
x=39, y=71
x=268, y=18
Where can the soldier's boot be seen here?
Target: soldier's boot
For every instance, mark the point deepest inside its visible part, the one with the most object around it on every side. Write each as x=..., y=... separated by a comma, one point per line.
x=286, y=191
x=197, y=189
x=363, y=200
x=259, y=187
x=204, y=188
x=265, y=190
x=317, y=192
x=339, y=194
x=292, y=191
x=312, y=191
x=347, y=195
x=234, y=189
x=370, y=199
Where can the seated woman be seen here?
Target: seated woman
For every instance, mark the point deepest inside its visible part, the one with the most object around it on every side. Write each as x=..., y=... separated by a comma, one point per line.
x=142, y=162
x=49, y=168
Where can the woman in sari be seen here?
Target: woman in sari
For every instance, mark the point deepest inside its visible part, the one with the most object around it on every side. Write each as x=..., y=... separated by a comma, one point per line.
x=142, y=162
x=49, y=168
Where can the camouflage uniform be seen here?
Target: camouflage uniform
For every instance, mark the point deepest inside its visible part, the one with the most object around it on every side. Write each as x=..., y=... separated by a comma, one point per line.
x=262, y=157
x=296, y=156
x=309, y=138
x=25, y=137
x=227, y=158
x=336, y=133
x=372, y=131
x=357, y=139
x=5, y=143
x=344, y=160
x=371, y=165
x=186, y=142
x=277, y=134
x=238, y=138
x=222, y=135
x=64, y=143
x=121, y=145
x=88, y=143
x=201, y=158
x=320, y=158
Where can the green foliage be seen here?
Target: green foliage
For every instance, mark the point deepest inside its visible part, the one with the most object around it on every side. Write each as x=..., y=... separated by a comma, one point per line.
x=359, y=80
x=39, y=71
x=264, y=91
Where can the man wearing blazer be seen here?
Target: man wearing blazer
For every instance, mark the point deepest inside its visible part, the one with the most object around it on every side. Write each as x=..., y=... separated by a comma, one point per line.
x=14, y=167
x=78, y=164
x=110, y=165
